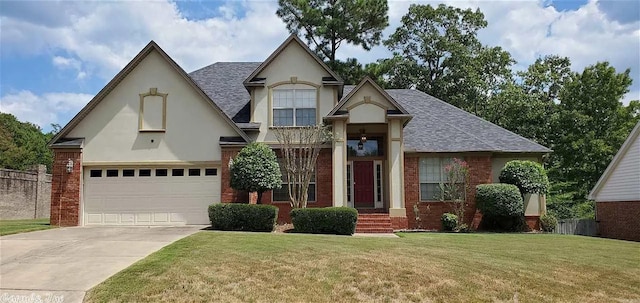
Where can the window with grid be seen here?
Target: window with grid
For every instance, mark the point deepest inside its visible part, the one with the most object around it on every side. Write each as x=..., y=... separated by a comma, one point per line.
x=431, y=175
x=294, y=107
x=282, y=194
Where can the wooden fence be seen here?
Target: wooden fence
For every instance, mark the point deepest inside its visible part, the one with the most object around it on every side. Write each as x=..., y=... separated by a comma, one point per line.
x=584, y=227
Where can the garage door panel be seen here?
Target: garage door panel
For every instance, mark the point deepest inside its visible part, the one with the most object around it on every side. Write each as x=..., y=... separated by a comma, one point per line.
x=173, y=200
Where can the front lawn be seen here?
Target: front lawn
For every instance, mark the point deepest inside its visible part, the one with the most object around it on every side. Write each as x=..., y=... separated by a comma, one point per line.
x=9, y=227
x=418, y=267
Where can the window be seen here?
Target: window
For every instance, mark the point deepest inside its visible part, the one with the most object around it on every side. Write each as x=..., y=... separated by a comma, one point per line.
x=282, y=194
x=372, y=148
x=161, y=172
x=194, y=172
x=294, y=107
x=211, y=172
x=112, y=172
x=144, y=173
x=128, y=172
x=153, y=111
x=349, y=182
x=378, y=182
x=177, y=172
x=431, y=175
x=96, y=173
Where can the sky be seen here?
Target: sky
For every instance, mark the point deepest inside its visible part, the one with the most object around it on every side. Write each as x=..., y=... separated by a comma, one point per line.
x=56, y=55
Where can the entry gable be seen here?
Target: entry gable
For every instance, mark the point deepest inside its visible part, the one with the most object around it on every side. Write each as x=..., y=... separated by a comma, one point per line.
x=150, y=48
x=368, y=97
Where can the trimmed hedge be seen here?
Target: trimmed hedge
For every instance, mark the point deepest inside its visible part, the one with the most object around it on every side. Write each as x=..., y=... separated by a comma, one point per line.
x=449, y=221
x=548, y=222
x=245, y=217
x=530, y=177
x=499, y=200
x=325, y=220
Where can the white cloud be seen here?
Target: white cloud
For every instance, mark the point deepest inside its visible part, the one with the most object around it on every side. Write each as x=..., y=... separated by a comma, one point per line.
x=43, y=109
x=70, y=63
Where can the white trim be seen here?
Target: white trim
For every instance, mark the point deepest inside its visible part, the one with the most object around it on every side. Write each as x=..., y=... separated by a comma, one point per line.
x=616, y=160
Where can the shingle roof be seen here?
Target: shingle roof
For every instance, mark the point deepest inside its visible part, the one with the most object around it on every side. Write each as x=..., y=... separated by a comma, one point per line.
x=222, y=82
x=438, y=126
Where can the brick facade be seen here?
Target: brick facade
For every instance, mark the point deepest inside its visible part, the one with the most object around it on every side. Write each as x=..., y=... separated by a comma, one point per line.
x=619, y=220
x=65, y=188
x=324, y=185
x=429, y=213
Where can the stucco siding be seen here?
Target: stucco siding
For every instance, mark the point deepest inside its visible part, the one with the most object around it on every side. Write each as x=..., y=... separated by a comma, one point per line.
x=193, y=126
x=294, y=62
x=623, y=183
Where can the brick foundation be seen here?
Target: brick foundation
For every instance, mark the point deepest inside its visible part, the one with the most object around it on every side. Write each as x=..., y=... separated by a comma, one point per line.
x=324, y=186
x=429, y=213
x=65, y=188
x=619, y=220
x=399, y=223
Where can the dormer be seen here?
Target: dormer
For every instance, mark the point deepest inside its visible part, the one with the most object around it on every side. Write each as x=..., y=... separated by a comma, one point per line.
x=291, y=88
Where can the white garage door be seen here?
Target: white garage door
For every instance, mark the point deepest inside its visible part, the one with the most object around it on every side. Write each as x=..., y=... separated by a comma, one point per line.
x=149, y=196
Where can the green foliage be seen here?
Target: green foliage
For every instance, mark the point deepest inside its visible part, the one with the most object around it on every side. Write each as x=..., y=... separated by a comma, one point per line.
x=246, y=217
x=326, y=25
x=326, y=220
x=548, y=222
x=499, y=200
x=22, y=144
x=255, y=169
x=449, y=222
x=436, y=50
x=530, y=177
x=591, y=125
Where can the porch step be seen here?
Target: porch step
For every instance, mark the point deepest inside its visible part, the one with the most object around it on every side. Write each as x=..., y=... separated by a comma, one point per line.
x=374, y=223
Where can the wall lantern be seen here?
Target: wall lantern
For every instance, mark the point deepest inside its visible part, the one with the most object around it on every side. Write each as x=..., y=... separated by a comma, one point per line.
x=363, y=136
x=69, y=166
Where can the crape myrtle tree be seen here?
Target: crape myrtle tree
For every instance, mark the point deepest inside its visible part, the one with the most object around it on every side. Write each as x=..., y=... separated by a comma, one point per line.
x=255, y=169
x=300, y=148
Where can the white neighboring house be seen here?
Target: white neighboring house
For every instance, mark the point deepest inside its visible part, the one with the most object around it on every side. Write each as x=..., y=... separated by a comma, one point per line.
x=617, y=193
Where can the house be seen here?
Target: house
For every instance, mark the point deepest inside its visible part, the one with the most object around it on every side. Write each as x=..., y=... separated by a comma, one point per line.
x=153, y=146
x=617, y=193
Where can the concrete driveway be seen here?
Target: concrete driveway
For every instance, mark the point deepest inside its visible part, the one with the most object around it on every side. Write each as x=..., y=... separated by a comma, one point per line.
x=60, y=265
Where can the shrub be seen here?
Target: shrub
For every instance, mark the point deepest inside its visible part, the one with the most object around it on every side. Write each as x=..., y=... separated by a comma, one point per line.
x=449, y=221
x=255, y=169
x=530, y=177
x=246, y=217
x=548, y=222
x=499, y=200
x=326, y=220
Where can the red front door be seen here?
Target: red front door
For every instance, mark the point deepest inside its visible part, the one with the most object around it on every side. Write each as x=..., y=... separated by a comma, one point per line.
x=363, y=183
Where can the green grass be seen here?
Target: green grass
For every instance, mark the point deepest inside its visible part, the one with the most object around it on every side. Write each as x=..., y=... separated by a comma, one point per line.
x=417, y=267
x=9, y=227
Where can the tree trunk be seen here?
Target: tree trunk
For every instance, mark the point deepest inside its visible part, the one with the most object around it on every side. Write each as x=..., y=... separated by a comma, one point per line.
x=259, y=201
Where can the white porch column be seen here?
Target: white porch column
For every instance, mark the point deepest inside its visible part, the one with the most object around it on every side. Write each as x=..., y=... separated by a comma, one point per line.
x=339, y=163
x=396, y=162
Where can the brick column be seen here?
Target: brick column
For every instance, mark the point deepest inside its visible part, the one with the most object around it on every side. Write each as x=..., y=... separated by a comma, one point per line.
x=479, y=173
x=66, y=188
x=228, y=194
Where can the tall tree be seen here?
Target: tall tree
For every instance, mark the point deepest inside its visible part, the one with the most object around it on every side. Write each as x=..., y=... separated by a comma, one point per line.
x=592, y=123
x=439, y=53
x=23, y=144
x=328, y=24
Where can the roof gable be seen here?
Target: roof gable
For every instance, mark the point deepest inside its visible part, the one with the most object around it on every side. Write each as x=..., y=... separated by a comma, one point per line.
x=148, y=49
x=624, y=149
x=292, y=39
x=345, y=103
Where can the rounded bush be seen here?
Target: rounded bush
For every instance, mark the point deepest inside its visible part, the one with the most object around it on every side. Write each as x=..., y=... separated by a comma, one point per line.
x=548, y=222
x=499, y=200
x=530, y=177
x=449, y=221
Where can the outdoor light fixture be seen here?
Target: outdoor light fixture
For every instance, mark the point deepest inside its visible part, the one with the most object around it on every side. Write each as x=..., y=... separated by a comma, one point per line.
x=360, y=145
x=363, y=136
x=69, y=165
